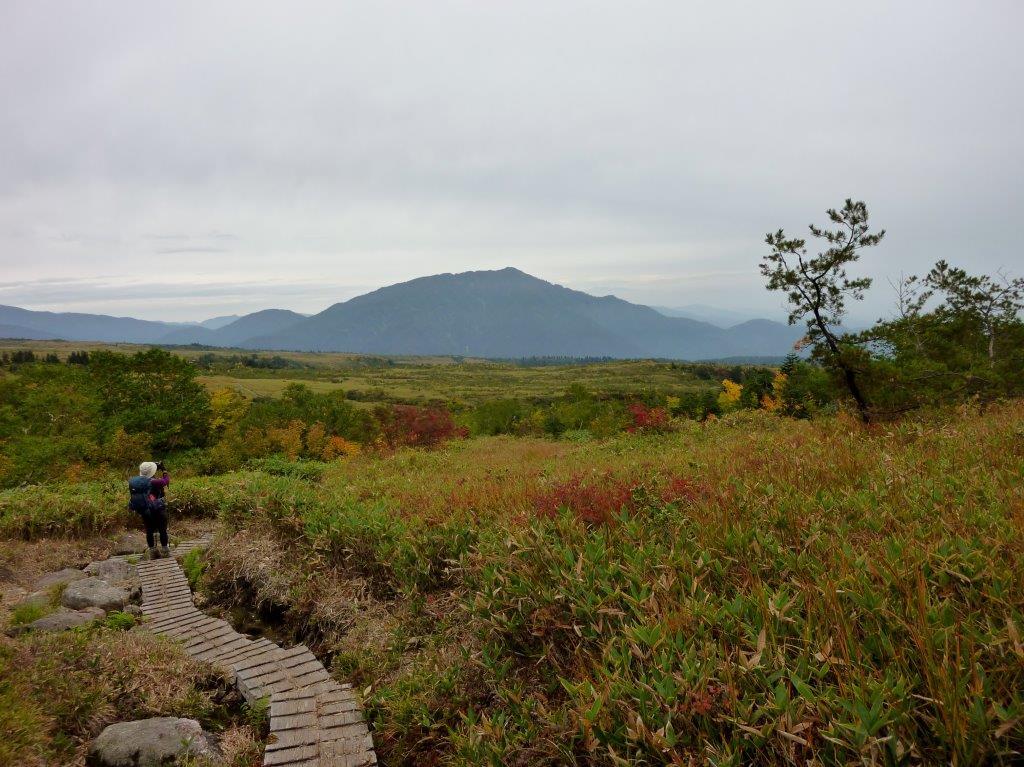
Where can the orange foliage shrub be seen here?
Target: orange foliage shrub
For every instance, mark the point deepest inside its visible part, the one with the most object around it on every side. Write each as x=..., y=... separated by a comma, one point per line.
x=316, y=440
x=338, y=447
x=287, y=439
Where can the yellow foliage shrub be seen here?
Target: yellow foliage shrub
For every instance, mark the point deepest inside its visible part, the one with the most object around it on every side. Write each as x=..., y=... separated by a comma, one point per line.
x=772, y=402
x=227, y=407
x=730, y=394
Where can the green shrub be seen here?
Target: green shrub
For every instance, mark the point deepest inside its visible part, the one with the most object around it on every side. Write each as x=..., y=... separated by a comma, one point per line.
x=280, y=466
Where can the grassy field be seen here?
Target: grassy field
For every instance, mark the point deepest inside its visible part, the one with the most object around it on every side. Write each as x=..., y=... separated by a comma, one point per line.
x=755, y=590
x=253, y=386
x=473, y=382
x=417, y=379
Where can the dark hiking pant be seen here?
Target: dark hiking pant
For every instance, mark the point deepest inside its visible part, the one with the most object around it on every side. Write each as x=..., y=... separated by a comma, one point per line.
x=156, y=522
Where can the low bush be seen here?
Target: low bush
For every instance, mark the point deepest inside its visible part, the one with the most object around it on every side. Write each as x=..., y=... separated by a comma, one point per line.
x=594, y=501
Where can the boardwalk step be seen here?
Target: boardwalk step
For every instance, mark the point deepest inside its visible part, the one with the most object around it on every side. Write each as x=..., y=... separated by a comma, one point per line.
x=314, y=720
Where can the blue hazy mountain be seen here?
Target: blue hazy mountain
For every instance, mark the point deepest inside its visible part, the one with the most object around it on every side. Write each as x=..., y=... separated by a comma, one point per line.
x=507, y=313
x=77, y=326
x=499, y=314
x=235, y=333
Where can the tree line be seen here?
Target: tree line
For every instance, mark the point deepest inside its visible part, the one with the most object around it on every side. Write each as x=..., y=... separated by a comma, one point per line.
x=955, y=335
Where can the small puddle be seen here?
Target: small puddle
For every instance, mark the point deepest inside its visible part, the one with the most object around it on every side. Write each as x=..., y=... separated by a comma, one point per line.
x=256, y=624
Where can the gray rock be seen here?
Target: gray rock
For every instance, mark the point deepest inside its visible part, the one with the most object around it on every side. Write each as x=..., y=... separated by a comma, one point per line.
x=61, y=620
x=112, y=570
x=67, y=575
x=130, y=543
x=151, y=743
x=134, y=610
x=94, y=592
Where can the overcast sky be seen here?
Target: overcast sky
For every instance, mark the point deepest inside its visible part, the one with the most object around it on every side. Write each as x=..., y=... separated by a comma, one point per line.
x=178, y=161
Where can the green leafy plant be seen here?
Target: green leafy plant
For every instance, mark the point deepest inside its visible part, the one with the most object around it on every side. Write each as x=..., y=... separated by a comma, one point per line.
x=119, y=621
x=257, y=714
x=193, y=564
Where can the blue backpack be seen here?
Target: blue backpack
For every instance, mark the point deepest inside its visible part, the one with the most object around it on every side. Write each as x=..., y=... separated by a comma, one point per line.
x=138, y=499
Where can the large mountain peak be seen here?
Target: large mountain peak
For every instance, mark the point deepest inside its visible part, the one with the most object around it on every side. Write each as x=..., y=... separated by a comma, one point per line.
x=487, y=313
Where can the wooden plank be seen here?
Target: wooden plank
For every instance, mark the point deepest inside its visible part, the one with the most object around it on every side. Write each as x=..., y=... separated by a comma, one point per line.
x=344, y=719
x=312, y=677
x=286, y=708
x=176, y=623
x=213, y=632
x=206, y=645
x=192, y=619
x=290, y=756
x=294, y=721
x=314, y=720
x=177, y=618
x=222, y=655
x=286, y=739
x=268, y=656
x=299, y=669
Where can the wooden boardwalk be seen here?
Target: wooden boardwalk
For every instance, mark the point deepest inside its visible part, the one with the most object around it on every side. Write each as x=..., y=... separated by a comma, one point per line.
x=314, y=720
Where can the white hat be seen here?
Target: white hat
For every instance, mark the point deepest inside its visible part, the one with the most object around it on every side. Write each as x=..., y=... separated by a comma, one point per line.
x=147, y=468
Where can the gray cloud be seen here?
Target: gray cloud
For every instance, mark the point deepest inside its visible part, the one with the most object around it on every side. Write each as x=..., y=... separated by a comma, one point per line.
x=193, y=249
x=641, y=148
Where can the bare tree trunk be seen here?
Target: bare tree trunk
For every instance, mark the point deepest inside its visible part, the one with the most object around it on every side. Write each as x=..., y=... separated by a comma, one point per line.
x=851, y=384
x=849, y=374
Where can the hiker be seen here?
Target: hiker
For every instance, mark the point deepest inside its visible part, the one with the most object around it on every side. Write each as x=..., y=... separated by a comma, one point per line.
x=147, y=500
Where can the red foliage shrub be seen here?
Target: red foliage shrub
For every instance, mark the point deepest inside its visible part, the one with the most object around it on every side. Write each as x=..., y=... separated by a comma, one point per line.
x=594, y=502
x=647, y=419
x=683, y=490
x=416, y=426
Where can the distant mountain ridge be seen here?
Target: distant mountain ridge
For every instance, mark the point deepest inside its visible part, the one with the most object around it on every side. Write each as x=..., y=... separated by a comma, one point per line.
x=76, y=326
x=235, y=333
x=723, y=318
x=215, y=323
x=504, y=313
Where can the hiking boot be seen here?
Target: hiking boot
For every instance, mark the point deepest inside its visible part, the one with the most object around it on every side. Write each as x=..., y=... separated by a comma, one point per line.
x=154, y=553
x=164, y=551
